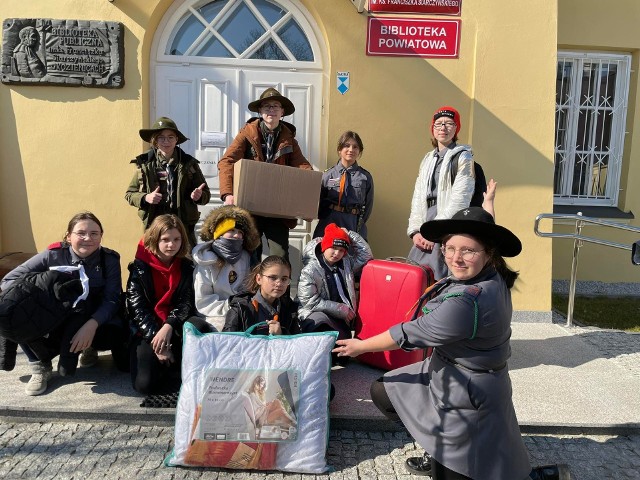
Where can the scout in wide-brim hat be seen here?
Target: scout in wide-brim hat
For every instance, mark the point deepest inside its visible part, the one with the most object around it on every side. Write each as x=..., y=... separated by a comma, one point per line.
x=163, y=123
x=272, y=94
x=477, y=222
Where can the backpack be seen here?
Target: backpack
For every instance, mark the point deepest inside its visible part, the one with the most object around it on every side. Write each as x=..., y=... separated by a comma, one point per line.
x=480, y=186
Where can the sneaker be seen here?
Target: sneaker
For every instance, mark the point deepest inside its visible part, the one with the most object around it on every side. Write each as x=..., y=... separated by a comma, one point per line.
x=40, y=375
x=88, y=357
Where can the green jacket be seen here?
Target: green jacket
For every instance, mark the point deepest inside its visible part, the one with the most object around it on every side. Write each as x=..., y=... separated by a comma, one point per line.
x=145, y=181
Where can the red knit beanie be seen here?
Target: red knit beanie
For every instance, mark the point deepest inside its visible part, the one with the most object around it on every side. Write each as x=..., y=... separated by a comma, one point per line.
x=334, y=237
x=448, y=112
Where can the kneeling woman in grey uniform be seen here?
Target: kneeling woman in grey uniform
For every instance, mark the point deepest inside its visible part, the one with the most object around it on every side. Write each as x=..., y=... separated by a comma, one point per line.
x=457, y=404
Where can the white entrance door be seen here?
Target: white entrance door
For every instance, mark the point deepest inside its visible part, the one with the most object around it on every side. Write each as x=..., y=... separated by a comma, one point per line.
x=206, y=91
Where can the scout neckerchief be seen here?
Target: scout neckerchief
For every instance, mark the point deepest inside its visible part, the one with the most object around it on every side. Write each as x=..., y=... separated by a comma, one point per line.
x=265, y=311
x=270, y=137
x=336, y=280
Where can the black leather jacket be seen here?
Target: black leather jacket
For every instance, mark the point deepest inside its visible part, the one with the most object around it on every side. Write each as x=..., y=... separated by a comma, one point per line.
x=141, y=300
x=242, y=314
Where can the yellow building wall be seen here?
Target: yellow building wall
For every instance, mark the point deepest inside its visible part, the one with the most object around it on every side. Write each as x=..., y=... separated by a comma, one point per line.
x=591, y=25
x=66, y=149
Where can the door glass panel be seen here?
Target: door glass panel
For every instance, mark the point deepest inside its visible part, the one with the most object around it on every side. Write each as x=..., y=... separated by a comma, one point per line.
x=214, y=48
x=210, y=10
x=190, y=28
x=296, y=41
x=269, y=51
x=238, y=26
x=271, y=13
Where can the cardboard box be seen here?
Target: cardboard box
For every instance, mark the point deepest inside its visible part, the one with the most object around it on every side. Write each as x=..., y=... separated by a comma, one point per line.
x=273, y=190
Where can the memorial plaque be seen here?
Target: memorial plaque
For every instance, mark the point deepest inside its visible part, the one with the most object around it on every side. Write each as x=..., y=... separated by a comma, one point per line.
x=43, y=51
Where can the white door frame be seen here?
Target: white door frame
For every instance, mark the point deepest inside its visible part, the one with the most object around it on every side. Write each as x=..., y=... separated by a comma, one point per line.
x=249, y=70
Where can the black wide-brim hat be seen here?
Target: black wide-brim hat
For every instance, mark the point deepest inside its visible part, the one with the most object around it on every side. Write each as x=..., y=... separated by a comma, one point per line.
x=477, y=222
x=163, y=123
x=272, y=94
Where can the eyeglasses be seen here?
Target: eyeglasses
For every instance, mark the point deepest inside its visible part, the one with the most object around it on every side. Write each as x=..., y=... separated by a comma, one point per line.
x=276, y=279
x=170, y=138
x=91, y=235
x=466, y=253
x=446, y=125
x=271, y=107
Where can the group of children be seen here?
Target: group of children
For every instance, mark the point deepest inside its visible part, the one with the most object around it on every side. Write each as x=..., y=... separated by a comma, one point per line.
x=213, y=286
x=219, y=284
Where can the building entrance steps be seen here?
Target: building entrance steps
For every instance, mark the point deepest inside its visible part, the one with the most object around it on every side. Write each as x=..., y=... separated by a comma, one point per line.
x=573, y=379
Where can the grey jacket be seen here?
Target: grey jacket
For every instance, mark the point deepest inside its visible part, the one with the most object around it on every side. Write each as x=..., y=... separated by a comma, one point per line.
x=313, y=291
x=458, y=405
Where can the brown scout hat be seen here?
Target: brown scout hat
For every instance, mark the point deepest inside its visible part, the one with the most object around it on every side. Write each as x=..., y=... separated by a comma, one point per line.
x=272, y=94
x=163, y=123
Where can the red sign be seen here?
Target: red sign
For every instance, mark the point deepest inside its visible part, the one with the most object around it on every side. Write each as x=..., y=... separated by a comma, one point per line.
x=432, y=7
x=413, y=37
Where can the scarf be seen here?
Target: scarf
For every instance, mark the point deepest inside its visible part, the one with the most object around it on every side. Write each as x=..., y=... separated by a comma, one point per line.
x=334, y=276
x=269, y=138
x=165, y=280
x=169, y=175
x=230, y=249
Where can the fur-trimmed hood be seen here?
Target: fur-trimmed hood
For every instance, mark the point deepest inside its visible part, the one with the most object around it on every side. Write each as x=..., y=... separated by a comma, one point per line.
x=244, y=222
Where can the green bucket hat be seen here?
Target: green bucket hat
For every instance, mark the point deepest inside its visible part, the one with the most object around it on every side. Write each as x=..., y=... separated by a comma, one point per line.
x=272, y=94
x=163, y=123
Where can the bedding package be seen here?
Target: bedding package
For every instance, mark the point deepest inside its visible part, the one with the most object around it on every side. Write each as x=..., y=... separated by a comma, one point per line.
x=254, y=401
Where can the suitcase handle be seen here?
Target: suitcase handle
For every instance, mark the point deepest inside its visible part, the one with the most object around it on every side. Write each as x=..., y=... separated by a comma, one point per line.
x=402, y=260
x=408, y=261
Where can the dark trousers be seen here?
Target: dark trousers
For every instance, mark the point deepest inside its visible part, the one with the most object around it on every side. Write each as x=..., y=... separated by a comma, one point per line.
x=277, y=234
x=148, y=375
x=110, y=336
x=382, y=401
x=321, y=322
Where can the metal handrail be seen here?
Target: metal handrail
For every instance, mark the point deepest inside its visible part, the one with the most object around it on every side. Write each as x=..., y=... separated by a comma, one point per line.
x=578, y=239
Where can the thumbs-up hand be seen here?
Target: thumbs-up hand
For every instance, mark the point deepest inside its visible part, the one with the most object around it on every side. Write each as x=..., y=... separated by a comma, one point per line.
x=154, y=197
x=197, y=193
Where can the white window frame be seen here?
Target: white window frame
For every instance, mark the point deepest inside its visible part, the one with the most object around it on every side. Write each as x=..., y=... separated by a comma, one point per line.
x=179, y=10
x=567, y=138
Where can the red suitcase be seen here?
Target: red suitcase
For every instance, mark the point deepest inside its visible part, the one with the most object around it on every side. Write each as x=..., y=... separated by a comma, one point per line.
x=389, y=292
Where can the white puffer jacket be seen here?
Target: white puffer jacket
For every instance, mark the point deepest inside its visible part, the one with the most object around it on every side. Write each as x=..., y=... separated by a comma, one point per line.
x=451, y=198
x=313, y=291
x=211, y=283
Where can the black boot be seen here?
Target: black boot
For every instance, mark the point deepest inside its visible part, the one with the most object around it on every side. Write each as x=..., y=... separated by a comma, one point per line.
x=558, y=471
x=419, y=465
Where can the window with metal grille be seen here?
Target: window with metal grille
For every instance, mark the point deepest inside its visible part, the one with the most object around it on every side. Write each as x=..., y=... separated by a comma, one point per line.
x=243, y=29
x=591, y=107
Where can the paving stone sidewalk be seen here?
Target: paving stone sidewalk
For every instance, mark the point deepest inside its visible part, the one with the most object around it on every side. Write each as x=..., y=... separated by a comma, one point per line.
x=70, y=451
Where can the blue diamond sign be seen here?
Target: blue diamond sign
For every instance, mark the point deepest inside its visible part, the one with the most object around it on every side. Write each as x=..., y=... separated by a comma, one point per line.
x=342, y=80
